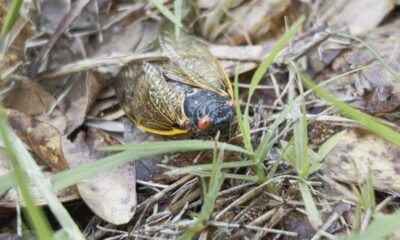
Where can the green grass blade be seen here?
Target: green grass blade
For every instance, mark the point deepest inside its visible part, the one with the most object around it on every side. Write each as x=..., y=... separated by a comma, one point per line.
x=166, y=12
x=368, y=194
x=35, y=214
x=207, y=208
x=133, y=152
x=173, y=146
x=7, y=181
x=244, y=125
x=178, y=7
x=329, y=144
x=288, y=153
x=216, y=180
x=244, y=129
x=266, y=143
x=11, y=17
x=258, y=75
x=380, y=228
x=301, y=145
x=363, y=119
x=311, y=208
x=269, y=59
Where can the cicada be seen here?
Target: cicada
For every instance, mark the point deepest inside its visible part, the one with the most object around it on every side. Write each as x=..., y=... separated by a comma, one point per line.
x=188, y=93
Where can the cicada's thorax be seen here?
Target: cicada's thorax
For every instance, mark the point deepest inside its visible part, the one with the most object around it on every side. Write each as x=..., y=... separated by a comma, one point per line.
x=206, y=111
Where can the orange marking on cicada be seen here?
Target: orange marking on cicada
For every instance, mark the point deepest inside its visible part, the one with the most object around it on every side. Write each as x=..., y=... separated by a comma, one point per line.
x=204, y=123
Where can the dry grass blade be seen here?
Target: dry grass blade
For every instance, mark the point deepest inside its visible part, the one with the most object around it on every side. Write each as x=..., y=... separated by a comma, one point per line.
x=87, y=64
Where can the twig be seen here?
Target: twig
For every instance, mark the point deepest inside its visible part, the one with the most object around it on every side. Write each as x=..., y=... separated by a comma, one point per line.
x=156, y=197
x=174, y=208
x=324, y=227
x=267, y=230
x=90, y=63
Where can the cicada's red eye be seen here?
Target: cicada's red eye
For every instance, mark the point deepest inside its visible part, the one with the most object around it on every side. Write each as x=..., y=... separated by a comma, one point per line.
x=204, y=123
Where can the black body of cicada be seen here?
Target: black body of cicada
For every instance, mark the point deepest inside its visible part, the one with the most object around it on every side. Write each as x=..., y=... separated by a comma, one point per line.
x=208, y=112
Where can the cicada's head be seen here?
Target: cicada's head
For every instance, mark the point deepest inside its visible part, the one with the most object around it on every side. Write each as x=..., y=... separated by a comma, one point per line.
x=209, y=112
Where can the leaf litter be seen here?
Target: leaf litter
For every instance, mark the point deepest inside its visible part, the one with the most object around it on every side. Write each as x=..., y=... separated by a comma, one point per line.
x=56, y=76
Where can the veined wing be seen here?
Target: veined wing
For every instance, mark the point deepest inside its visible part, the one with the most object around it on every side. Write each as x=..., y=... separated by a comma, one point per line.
x=196, y=61
x=149, y=101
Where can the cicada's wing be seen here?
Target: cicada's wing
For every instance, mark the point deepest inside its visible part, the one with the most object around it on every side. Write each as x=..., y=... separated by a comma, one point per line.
x=195, y=60
x=149, y=101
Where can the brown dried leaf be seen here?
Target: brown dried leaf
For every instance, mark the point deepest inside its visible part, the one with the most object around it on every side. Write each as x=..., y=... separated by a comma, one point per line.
x=299, y=223
x=359, y=154
x=126, y=35
x=89, y=18
x=254, y=19
x=44, y=140
x=64, y=52
x=361, y=16
x=75, y=93
x=11, y=198
x=71, y=111
x=110, y=195
x=80, y=99
x=106, y=125
x=127, y=38
x=29, y=98
x=52, y=13
x=72, y=14
x=382, y=99
x=230, y=67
